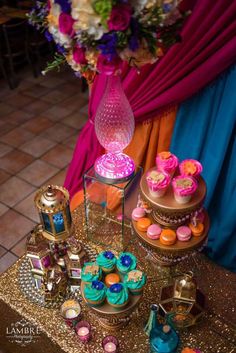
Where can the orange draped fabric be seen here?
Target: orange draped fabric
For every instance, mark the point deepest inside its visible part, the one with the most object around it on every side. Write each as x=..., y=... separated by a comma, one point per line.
x=150, y=137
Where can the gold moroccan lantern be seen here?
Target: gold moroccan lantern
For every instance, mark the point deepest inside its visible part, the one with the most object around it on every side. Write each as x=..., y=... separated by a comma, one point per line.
x=52, y=202
x=182, y=303
x=37, y=251
x=39, y=254
x=75, y=259
x=54, y=284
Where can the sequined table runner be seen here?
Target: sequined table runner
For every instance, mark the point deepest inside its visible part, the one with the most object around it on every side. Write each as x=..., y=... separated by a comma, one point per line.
x=216, y=333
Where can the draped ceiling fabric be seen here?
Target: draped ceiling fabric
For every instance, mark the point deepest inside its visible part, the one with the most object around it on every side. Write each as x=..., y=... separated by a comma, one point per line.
x=211, y=138
x=207, y=49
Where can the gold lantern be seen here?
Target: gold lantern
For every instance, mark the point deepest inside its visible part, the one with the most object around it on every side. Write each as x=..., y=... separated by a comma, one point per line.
x=182, y=303
x=75, y=259
x=54, y=284
x=38, y=252
x=52, y=202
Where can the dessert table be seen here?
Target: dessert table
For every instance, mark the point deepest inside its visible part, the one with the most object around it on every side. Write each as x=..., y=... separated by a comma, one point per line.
x=216, y=333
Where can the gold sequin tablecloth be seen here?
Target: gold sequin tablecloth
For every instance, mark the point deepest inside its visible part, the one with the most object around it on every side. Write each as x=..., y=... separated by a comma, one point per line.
x=215, y=334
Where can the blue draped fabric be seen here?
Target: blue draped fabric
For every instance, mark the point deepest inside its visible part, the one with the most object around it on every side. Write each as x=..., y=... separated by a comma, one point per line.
x=205, y=129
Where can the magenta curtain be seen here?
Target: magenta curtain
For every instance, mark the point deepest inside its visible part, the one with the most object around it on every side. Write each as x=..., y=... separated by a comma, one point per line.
x=207, y=49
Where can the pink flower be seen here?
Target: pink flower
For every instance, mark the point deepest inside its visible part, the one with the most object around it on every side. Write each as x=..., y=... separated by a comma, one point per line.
x=120, y=17
x=66, y=24
x=108, y=67
x=79, y=55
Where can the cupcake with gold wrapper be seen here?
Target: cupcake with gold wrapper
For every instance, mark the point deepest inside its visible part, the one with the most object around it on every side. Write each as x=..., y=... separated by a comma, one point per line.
x=158, y=182
x=107, y=261
x=118, y=295
x=190, y=167
x=135, y=281
x=167, y=162
x=95, y=293
x=126, y=263
x=184, y=188
x=91, y=272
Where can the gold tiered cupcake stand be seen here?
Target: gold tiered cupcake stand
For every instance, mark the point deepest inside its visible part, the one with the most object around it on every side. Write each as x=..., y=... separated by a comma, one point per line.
x=166, y=212
x=112, y=318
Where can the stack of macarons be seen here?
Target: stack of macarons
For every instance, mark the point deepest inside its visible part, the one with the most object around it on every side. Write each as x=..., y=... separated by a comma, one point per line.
x=166, y=236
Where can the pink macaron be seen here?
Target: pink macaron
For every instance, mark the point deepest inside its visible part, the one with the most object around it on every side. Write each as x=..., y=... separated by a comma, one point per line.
x=183, y=233
x=154, y=231
x=138, y=213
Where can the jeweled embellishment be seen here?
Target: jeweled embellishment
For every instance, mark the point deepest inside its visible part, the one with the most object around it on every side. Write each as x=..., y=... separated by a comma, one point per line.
x=93, y=269
x=184, y=183
x=135, y=276
x=155, y=176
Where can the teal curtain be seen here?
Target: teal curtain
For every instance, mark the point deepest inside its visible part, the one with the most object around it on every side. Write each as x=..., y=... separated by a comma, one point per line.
x=205, y=129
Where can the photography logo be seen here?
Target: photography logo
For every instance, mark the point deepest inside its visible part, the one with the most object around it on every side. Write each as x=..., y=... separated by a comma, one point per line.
x=22, y=332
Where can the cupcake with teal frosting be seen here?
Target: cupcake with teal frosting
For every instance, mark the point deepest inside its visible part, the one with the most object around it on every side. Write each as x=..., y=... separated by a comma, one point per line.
x=91, y=272
x=117, y=295
x=135, y=281
x=126, y=263
x=95, y=293
x=107, y=261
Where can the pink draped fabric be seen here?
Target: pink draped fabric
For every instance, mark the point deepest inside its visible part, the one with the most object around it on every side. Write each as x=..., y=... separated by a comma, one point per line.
x=207, y=48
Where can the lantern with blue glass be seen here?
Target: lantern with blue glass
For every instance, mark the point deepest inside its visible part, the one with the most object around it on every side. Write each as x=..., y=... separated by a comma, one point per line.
x=52, y=202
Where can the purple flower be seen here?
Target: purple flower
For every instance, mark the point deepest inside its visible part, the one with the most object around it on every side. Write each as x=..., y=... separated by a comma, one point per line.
x=97, y=285
x=60, y=49
x=116, y=288
x=65, y=5
x=48, y=36
x=108, y=255
x=108, y=45
x=133, y=43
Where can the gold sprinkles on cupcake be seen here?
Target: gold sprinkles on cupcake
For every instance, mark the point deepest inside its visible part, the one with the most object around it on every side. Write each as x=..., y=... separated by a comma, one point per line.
x=135, y=276
x=184, y=183
x=93, y=269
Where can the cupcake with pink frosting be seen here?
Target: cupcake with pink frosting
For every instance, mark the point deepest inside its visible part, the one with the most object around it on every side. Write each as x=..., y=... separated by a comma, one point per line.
x=190, y=167
x=167, y=162
x=184, y=187
x=158, y=182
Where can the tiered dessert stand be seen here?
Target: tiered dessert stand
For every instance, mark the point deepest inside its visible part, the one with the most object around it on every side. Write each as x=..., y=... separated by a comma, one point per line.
x=112, y=318
x=166, y=212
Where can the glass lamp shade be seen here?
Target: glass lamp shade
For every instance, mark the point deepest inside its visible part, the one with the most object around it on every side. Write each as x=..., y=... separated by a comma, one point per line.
x=114, y=126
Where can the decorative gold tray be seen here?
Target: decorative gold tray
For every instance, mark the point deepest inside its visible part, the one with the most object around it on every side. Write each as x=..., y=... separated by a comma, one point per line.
x=110, y=317
x=168, y=212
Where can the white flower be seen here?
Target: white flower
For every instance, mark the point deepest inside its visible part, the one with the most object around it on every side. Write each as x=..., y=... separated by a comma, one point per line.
x=60, y=38
x=79, y=6
x=138, y=5
x=55, y=10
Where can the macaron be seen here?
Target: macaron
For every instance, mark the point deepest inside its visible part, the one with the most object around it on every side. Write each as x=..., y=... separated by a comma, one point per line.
x=143, y=224
x=183, y=233
x=138, y=213
x=154, y=231
x=197, y=230
x=168, y=237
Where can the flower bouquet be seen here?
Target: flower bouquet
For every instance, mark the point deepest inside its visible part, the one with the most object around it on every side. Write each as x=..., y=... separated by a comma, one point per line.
x=95, y=36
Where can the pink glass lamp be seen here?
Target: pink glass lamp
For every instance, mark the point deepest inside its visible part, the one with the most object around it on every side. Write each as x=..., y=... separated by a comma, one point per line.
x=114, y=126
